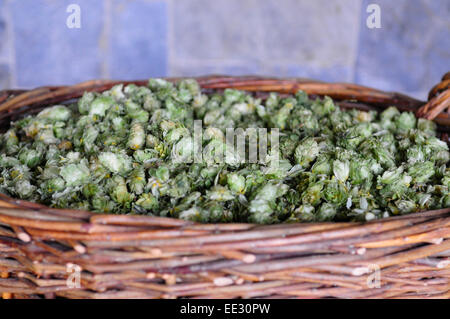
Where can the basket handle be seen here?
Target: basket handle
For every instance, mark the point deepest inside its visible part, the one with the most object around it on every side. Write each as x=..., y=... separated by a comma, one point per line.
x=438, y=100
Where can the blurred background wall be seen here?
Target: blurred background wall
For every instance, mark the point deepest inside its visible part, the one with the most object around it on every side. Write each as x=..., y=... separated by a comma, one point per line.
x=136, y=39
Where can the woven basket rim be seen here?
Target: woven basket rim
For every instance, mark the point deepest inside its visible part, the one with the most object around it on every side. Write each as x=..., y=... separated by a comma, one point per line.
x=136, y=256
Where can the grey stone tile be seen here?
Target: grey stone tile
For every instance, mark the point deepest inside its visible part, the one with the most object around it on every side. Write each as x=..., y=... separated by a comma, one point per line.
x=47, y=51
x=308, y=38
x=438, y=57
x=311, y=33
x=138, y=39
x=411, y=51
x=220, y=29
x=198, y=69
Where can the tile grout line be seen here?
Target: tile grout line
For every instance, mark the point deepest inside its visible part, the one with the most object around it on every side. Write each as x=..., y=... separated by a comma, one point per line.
x=11, y=45
x=356, y=50
x=104, y=40
x=169, y=39
x=262, y=65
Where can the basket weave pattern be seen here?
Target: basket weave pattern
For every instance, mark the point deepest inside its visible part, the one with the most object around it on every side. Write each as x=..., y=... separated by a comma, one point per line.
x=126, y=256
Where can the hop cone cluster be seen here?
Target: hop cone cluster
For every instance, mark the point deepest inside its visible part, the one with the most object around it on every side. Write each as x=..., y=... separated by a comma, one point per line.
x=114, y=153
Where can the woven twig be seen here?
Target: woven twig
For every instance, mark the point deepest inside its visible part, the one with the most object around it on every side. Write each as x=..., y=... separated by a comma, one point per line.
x=125, y=256
x=439, y=100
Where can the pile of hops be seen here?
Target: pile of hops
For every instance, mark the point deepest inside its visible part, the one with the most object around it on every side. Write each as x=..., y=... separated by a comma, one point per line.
x=119, y=152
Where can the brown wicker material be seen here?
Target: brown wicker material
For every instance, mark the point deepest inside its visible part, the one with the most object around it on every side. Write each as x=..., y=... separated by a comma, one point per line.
x=126, y=256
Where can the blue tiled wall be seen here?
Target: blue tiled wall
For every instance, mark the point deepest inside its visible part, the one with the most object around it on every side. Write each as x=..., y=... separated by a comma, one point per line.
x=412, y=49
x=136, y=39
x=46, y=51
x=137, y=42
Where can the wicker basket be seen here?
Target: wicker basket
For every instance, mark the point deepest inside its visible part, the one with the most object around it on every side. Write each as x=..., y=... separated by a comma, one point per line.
x=124, y=256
